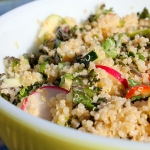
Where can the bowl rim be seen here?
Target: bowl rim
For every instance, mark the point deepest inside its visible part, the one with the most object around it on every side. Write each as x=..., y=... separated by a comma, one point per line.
x=49, y=128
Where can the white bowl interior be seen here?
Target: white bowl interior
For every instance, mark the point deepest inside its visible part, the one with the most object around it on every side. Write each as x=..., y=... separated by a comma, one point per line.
x=18, y=30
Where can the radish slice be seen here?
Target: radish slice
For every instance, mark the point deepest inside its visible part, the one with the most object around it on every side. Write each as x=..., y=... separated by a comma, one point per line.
x=115, y=73
x=36, y=102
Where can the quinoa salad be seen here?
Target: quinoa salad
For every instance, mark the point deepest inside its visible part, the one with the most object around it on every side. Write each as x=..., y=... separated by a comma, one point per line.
x=93, y=76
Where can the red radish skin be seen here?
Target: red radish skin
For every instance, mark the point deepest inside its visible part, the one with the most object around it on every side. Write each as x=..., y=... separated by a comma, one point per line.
x=40, y=98
x=116, y=74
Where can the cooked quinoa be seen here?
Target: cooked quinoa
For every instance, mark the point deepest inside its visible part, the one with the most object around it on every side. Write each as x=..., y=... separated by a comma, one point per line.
x=103, y=63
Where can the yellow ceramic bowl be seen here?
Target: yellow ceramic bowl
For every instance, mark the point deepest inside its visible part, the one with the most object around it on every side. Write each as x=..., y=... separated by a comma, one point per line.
x=18, y=29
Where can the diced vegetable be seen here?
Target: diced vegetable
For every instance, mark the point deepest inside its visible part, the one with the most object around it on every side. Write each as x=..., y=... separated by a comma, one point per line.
x=116, y=74
x=132, y=82
x=141, y=56
x=43, y=66
x=69, y=21
x=138, y=92
x=12, y=82
x=109, y=47
x=66, y=81
x=91, y=56
x=49, y=26
x=81, y=96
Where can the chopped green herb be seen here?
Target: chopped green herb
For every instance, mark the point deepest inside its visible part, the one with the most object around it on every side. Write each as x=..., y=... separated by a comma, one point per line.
x=102, y=99
x=67, y=75
x=89, y=92
x=105, y=11
x=93, y=18
x=118, y=42
x=80, y=96
x=141, y=56
x=25, y=91
x=132, y=82
x=109, y=47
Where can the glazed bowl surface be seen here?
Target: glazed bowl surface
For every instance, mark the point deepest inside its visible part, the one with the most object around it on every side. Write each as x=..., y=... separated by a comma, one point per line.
x=18, y=30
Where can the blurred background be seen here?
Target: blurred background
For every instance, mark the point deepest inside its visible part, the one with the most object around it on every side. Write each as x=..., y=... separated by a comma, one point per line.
x=5, y=6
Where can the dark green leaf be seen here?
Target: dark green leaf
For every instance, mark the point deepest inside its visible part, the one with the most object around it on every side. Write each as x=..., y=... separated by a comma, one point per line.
x=91, y=56
x=57, y=43
x=93, y=18
x=131, y=54
x=81, y=97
